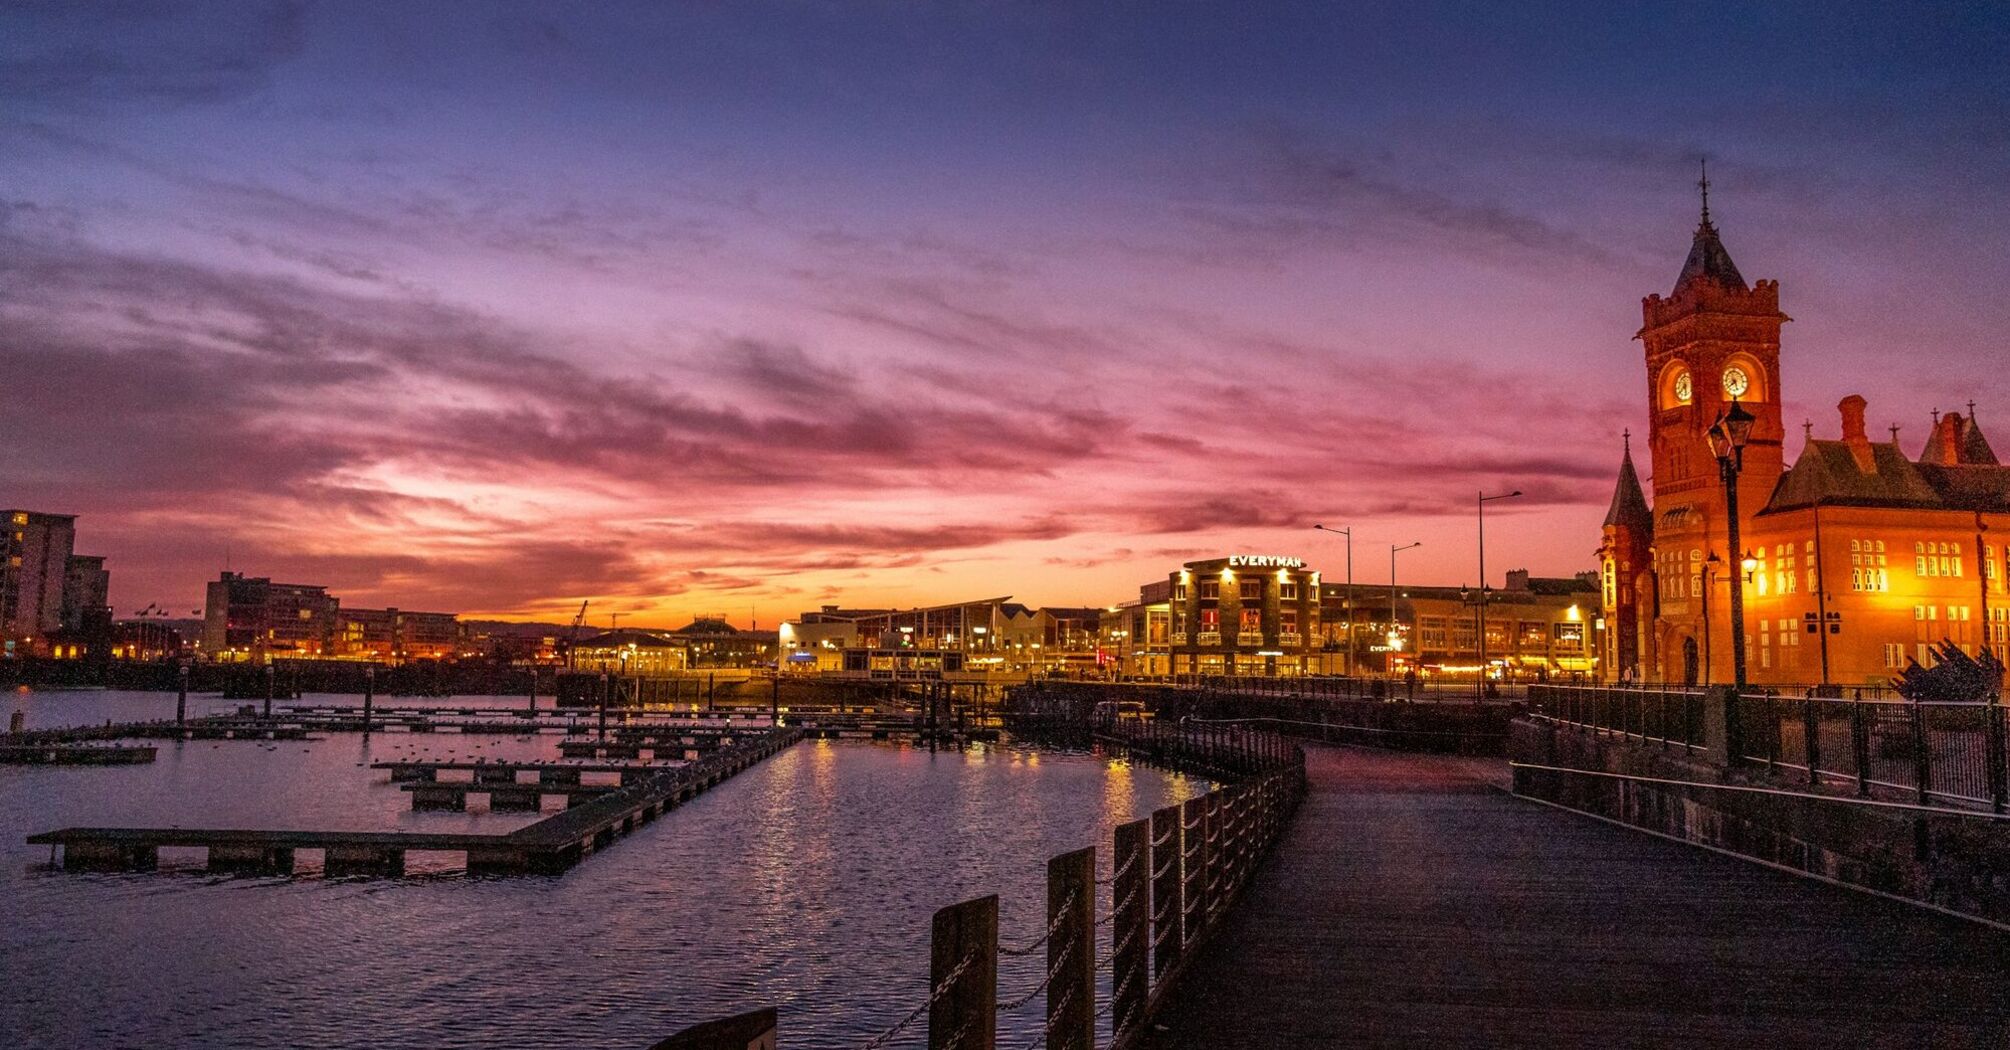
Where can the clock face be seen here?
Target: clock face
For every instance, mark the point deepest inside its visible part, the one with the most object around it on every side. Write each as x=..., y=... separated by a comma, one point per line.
x=1685, y=388
x=1736, y=382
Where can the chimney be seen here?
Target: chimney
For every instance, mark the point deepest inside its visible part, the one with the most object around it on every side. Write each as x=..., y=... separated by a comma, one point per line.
x=1853, y=434
x=1945, y=448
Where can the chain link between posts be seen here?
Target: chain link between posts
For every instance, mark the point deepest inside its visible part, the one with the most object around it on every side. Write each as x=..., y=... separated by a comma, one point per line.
x=1060, y=919
x=940, y=990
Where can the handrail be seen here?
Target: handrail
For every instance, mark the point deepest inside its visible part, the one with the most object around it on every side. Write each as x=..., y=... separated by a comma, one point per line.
x=1945, y=811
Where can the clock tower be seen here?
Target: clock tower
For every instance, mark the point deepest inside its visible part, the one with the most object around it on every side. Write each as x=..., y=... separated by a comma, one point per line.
x=1712, y=341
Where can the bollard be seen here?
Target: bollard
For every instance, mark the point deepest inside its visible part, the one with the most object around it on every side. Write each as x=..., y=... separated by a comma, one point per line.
x=963, y=1011
x=17, y=721
x=1168, y=909
x=1071, y=951
x=369, y=695
x=1131, y=927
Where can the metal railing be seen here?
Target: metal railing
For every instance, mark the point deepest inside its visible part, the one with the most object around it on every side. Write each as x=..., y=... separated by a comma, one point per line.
x=1670, y=717
x=1933, y=751
x=1173, y=876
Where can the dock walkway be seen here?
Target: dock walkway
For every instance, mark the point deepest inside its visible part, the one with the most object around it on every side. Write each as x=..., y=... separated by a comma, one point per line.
x=1413, y=903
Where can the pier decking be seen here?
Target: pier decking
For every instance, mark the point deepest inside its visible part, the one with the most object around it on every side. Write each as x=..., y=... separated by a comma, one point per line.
x=1413, y=904
x=550, y=846
x=74, y=755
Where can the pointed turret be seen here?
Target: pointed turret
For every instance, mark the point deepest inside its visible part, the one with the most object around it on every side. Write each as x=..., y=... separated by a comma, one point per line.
x=1708, y=260
x=1629, y=503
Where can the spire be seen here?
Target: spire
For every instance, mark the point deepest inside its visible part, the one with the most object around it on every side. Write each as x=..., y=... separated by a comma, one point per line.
x=1629, y=504
x=1707, y=258
x=1704, y=185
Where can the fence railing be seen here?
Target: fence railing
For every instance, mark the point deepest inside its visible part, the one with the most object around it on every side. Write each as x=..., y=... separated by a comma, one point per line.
x=1173, y=876
x=1670, y=717
x=1934, y=751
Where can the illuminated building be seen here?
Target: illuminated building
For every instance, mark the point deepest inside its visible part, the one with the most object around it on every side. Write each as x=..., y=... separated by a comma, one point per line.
x=630, y=651
x=252, y=619
x=1536, y=627
x=1854, y=560
x=1245, y=614
x=47, y=589
x=398, y=635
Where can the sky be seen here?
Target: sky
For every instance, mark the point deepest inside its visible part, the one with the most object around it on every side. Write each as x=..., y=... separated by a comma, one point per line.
x=744, y=308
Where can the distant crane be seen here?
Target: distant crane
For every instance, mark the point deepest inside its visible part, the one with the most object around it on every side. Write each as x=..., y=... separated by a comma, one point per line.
x=572, y=636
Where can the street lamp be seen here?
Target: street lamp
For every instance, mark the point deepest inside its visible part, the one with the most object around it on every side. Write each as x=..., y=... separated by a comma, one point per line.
x=1728, y=436
x=1481, y=614
x=1349, y=533
x=1395, y=621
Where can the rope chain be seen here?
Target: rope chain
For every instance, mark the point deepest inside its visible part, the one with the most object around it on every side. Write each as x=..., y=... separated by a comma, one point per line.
x=948, y=981
x=1060, y=917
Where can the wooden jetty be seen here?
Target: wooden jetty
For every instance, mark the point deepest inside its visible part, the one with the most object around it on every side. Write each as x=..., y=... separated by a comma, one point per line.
x=74, y=755
x=503, y=795
x=505, y=771
x=549, y=846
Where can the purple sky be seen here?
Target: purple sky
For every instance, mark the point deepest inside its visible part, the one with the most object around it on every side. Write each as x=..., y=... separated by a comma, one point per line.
x=719, y=307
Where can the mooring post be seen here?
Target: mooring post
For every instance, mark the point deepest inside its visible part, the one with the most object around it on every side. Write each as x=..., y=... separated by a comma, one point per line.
x=963, y=976
x=1131, y=929
x=1168, y=907
x=775, y=698
x=711, y=689
x=181, y=697
x=369, y=694
x=606, y=687
x=1071, y=951
x=269, y=676
x=533, y=694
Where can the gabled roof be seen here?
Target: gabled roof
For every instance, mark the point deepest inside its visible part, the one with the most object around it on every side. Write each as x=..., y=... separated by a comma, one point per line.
x=1828, y=472
x=626, y=637
x=1629, y=504
x=1957, y=441
x=1709, y=261
x=707, y=625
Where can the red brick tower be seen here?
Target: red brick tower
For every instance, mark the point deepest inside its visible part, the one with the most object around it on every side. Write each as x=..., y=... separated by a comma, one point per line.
x=1713, y=340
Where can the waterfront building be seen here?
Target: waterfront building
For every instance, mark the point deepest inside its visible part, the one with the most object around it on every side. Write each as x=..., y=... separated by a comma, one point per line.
x=252, y=619
x=46, y=588
x=398, y=635
x=1853, y=561
x=709, y=641
x=1244, y=614
x=1542, y=628
x=631, y=651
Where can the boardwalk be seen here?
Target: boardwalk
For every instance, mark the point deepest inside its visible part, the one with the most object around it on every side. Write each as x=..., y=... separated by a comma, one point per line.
x=1415, y=905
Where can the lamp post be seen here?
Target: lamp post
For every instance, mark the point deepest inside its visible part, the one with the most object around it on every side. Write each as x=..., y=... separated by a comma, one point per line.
x=1728, y=436
x=1481, y=614
x=1395, y=621
x=1349, y=533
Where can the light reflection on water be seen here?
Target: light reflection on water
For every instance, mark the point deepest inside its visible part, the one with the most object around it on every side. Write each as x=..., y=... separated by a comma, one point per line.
x=806, y=883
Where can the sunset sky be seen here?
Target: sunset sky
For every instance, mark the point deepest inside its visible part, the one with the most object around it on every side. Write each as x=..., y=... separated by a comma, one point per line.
x=745, y=308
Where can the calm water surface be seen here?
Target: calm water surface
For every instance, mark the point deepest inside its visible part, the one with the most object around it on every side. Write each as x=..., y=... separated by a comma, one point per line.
x=806, y=882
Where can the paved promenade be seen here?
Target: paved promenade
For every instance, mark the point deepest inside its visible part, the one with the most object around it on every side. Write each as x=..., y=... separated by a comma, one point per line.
x=1414, y=904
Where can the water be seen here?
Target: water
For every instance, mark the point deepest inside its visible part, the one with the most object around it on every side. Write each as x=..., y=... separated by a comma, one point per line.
x=806, y=883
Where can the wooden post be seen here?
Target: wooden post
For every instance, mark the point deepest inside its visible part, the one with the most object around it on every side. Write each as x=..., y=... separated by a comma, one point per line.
x=1131, y=929
x=1071, y=951
x=369, y=694
x=181, y=697
x=1168, y=903
x=754, y=1030
x=775, y=699
x=533, y=709
x=270, y=676
x=965, y=1015
x=606, y=687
